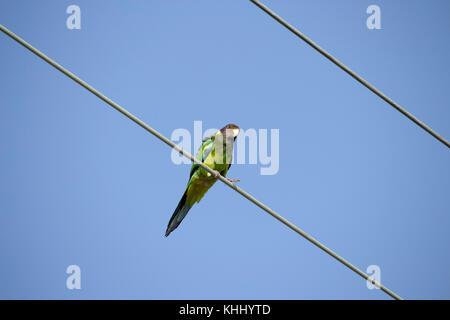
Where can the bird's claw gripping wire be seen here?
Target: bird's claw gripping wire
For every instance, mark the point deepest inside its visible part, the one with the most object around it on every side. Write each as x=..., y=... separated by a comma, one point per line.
x=217, y=174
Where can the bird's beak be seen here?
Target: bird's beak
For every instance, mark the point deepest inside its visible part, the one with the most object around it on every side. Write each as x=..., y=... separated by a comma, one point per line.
x=235, y=132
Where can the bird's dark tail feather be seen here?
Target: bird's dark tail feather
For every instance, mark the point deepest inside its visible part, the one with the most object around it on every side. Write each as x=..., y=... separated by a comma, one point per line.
x=178, y=215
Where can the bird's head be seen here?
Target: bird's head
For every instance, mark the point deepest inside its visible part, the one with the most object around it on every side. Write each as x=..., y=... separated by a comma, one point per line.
x=229, y=131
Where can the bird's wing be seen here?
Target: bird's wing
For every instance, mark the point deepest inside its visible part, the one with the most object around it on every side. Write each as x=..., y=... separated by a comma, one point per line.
x=202, y=153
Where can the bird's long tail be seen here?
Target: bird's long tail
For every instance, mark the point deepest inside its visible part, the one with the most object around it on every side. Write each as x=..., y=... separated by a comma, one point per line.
x=178, y=215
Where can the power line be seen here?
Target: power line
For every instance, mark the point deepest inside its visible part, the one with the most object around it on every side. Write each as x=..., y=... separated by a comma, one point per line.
x=201, y=164
x=350, y=72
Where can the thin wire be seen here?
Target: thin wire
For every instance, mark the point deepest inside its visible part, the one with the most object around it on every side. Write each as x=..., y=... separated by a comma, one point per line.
x=201, y=164
x=350, y=72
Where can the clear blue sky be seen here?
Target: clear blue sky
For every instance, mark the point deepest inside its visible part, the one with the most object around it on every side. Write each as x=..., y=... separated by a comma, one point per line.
x=80, y=184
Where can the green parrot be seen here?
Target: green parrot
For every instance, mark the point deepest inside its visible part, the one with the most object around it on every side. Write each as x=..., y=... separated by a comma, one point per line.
x=215, y=152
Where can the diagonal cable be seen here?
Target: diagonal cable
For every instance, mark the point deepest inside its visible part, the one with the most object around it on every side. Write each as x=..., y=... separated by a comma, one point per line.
x=201, y=164
x=350, y=72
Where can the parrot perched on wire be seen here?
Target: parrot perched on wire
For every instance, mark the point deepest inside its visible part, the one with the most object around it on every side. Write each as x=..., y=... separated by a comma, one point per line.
x=215, y=152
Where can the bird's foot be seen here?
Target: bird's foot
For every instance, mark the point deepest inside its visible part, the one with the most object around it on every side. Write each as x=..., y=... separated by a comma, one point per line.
x=216, y=174
x=233, y=180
